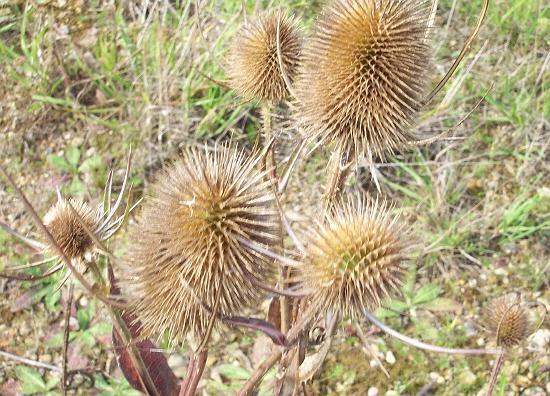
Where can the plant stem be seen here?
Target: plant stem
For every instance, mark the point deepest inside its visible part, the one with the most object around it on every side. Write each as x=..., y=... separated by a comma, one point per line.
x=428, y=347
x=494, y=374
x=147, y=383
x=197, y=361
x=66, y=331
x=29, y=362
x=338, y=174
x=292, y=335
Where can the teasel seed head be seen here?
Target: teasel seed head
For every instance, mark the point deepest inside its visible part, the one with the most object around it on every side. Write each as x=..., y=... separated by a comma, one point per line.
x=508, y=320
x=67, y=229
x=254, y=69
x=363, y=75
x=184, y=251
x=354, y=260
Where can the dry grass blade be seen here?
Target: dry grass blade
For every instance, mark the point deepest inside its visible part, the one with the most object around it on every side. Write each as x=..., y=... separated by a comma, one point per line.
x=462, y=53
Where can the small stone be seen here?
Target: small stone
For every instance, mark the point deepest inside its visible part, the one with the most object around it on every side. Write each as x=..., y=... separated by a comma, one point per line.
x=392, y=393
x=500, y=272
x=533, y=391
x=373, y=391
x=390, y=357
x=480, y=342
x=374, y=363
x=467, y=378
x=436, y=377
x=539, y=340
x=83, y=302
x=470, y=328
x=47, y=358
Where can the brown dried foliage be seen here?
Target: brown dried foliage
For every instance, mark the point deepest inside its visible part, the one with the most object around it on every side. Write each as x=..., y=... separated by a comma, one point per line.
x=184, y=251
x=508, y=320
x=355, y=258
x=66, y=228
x=254, y=69
x=364, y=73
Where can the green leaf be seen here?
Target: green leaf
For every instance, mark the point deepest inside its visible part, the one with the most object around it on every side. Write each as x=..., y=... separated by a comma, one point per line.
x=442, y=304
x=52, y=299
x=76, y=187
x=31, y=380
x=86, y=338
x=410, y=280
x=59, y=162
x=426, y=293
x=101, y=329
x=84, y=316
x=394, y=308
x=233, y=372
x=95, y=162
x=73, y=155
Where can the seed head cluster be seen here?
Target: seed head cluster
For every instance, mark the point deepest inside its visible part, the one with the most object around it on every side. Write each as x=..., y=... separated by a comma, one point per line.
x=185, y=256
x=508, y=321
x=254, y=69
x=355, y=258
x=363, y=75
x=66, y=228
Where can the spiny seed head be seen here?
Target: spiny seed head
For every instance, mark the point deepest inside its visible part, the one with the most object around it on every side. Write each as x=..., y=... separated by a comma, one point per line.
x=253, y=63
x=508, y=321
x=66, y=228
x=185, y=250
x=355, y=258
x=364, y=73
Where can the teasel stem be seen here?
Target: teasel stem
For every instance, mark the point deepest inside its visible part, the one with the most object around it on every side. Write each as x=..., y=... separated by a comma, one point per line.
x=197, y=361
x=66, y=332
x=428, y=347
x=338, y=173
x=294, y=332
x=146, y=382
x=494, y=374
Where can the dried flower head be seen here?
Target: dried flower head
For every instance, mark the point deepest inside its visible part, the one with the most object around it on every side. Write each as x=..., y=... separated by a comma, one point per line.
x=253, y=62
x=508, y=320
x=364, y=73
x=355, y=258
x=185, y=256
x=62, y=222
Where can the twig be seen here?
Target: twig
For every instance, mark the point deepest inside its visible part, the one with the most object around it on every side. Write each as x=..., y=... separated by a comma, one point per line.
x=194, y=372
x=494, y=374
x=66, y=332
x=30, y=362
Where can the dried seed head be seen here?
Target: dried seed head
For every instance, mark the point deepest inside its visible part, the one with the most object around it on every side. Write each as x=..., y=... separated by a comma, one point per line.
x=253, y=63
x=508, y=321
x=355, y=259
x=66, y=228
x=185, y=249
x=364, y=73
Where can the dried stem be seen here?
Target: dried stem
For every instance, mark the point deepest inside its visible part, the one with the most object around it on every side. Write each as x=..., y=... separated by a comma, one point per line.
x=197, y=361
x=66, y=332
x=146, y=382
x=494, y=374
x=276, y=355
x=338, y=173
x=428, y=347
x=29, y=362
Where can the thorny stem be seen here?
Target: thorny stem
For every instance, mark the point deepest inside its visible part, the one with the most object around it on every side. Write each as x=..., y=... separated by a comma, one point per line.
x=428, y=347
x=276, y=355
x=494, y=374
x=66, y=331
x=147, y=383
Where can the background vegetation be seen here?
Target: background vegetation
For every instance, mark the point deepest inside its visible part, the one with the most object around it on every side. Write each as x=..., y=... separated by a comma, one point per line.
x=82, y=81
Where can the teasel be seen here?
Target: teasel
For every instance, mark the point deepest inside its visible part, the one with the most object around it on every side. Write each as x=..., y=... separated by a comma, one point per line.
x=355, y=258
x=186, y=263
x=78, y=229
x=256, y=71
x=363, y=75
x=508, y=321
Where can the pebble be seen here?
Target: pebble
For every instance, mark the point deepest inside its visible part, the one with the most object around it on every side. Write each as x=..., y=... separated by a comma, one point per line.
x=533, y=391
x=480, y=342
x=390, y=357
x=47, y=358
x=470, y=328
x=392, y=393
x=373, y=391
x=374, y=363
x=467, y=377
x=539, y=340
x=436, y=377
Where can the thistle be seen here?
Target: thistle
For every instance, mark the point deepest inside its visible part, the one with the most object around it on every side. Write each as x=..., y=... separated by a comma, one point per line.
x=363, y=75
x=185, y=255
x=254, y=68
x=355, y=258
x=508, y=321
